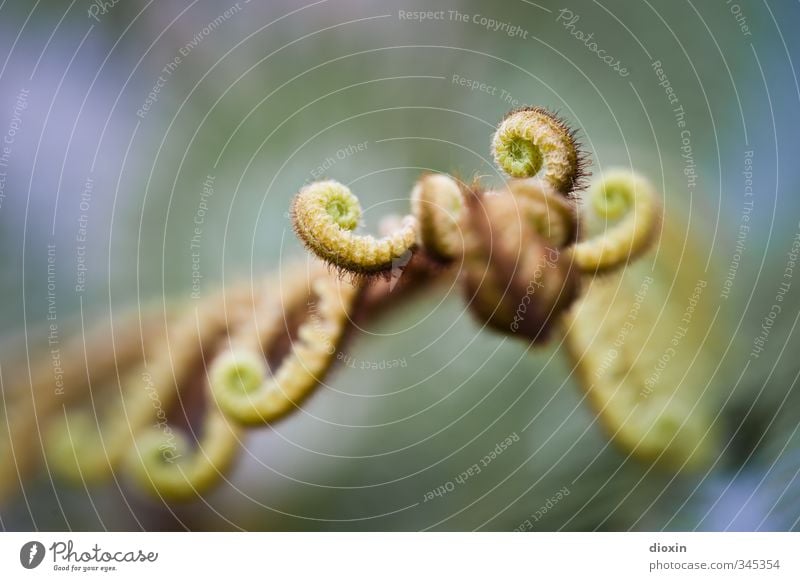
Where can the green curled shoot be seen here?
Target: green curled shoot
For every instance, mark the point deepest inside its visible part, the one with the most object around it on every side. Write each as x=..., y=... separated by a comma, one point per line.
x=244, y=386
x=532, y=142
x=169, y=465
x=632, y=201
x=325, y=215
x=438, y=205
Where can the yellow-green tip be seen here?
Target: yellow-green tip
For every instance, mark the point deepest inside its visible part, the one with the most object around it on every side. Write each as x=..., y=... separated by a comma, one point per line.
x=632, y=202
x=532, y=142
x=324, y=215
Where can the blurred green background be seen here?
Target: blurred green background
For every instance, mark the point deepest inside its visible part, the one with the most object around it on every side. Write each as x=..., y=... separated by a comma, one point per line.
x=261, y=99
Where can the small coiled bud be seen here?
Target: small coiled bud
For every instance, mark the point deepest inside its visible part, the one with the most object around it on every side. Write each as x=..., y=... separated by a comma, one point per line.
x=166, y=463
x=88, y=444
x=32, y=397
x=324, y=215
x=437, y=204
x=245, y=387
x=631, y=200
x=532, y=142
x=550, y=215
x=515, y=280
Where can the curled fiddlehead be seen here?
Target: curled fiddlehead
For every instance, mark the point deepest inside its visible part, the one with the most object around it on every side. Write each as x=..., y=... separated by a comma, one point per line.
x=250, y=391
x=84, y=447
x=549, y=215
x=518, y=273
x=437, y=204
x=87, y=359
x=169, y=465
x=521, y=252
x=532, y=142
x=631, y=201
x=90, y=442
x=324, y=216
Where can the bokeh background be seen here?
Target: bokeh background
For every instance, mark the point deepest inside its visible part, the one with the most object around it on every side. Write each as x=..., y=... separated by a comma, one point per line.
x=260, y=100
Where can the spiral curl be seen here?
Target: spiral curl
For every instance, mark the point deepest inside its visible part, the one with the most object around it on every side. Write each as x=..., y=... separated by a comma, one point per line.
x=90, y=358
x=522, y=256
x=532, y=142
x=89, y=443
x=551, y=216
x=324, y=216
x=244, y=386
x=168, y=464
x=438, y=204
x=632, y=201
x=83, y=447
